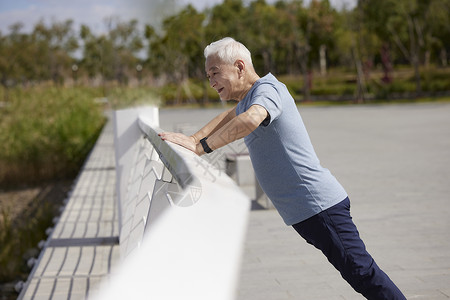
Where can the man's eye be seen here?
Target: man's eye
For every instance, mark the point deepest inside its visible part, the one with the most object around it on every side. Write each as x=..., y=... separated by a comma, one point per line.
x=212, y=75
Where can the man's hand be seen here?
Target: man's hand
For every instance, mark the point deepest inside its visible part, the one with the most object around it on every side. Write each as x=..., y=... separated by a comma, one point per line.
x=187, y=142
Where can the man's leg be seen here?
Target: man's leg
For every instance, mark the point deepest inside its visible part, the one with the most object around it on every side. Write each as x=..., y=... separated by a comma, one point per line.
x=334, y=233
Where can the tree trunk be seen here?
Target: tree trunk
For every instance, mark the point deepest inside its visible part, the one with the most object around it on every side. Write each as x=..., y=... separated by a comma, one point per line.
x=267, y=62
x=323, y=60
x=361, y=88
x=414, y=55
x=443, y=57
x=386, y=63
x=415, y=59
x=306, y=77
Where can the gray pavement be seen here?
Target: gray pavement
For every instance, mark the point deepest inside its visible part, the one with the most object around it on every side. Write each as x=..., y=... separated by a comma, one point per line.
x=394, y=162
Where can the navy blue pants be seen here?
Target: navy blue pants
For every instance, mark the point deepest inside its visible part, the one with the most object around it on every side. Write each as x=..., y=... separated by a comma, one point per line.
x=333, y=232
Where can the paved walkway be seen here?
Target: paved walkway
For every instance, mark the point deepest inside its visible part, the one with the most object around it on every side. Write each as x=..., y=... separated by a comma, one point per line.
x=83, y=246
x=394, y=161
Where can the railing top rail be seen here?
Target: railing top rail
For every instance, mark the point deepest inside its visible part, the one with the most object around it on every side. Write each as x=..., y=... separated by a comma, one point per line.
x=167, y=153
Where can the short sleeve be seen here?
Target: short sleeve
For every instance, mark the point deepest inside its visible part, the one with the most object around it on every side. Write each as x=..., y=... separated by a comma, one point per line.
x=267, y=96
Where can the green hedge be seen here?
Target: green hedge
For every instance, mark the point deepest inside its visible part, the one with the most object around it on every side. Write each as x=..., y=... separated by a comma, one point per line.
x=336, y=83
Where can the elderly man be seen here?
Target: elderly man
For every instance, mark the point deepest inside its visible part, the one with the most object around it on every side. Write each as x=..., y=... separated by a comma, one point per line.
x=307, y=196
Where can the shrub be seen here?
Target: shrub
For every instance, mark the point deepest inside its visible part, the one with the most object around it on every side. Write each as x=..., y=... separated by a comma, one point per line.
x=46, y=133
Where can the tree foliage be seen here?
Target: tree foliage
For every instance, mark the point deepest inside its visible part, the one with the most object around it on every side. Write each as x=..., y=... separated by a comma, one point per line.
x=285, y=37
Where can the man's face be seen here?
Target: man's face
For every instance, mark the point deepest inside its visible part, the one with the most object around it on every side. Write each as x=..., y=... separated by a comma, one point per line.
x=223, y=77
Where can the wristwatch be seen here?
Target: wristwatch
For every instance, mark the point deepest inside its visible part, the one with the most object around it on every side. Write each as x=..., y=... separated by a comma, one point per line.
x=205, y=145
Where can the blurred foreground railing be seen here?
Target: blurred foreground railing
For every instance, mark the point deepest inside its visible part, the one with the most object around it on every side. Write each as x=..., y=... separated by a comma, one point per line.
x=146, y=219
x=182, y=222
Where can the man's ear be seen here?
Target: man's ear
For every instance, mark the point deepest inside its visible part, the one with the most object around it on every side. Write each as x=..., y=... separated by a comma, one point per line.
x=240, y=65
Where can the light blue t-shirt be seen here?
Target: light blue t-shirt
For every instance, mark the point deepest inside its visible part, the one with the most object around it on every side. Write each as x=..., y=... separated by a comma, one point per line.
x=283, y=157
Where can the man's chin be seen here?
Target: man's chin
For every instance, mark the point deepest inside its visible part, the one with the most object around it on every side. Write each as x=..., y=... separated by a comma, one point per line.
x=225, y=98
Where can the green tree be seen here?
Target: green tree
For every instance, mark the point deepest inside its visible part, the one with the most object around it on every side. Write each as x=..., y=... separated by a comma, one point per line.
x=178, y=52
x=92, y=52
x=297, y=29
x=126, y=42
x=408, y=24
x=262, y=24
x=227, y=19
x=14, y=57
x=359, y=46
x=323, y=23
x=437, y=20
x=98, y=57
x=318, y=25
x=56, y=44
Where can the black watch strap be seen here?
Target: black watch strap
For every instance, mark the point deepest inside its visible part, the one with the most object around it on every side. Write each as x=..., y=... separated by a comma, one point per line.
x=205, y=145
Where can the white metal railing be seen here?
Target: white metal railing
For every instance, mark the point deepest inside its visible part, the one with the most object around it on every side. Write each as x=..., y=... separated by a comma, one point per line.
x=182, y=223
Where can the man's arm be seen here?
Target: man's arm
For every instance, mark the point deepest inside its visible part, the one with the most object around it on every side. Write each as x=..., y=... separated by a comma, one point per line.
x=220, y=131
x=191, y=142
x=240, y=126
x=215, y=124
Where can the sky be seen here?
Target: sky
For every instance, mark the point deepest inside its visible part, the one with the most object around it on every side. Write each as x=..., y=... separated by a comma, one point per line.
x=94, y=12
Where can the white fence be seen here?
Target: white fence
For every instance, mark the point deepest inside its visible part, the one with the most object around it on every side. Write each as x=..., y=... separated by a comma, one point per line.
x=182, y=222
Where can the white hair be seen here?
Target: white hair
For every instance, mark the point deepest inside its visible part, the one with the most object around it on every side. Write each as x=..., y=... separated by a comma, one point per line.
x=229, y=50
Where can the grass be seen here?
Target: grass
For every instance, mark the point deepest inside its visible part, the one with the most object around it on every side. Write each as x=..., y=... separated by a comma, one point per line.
x=46, y=132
